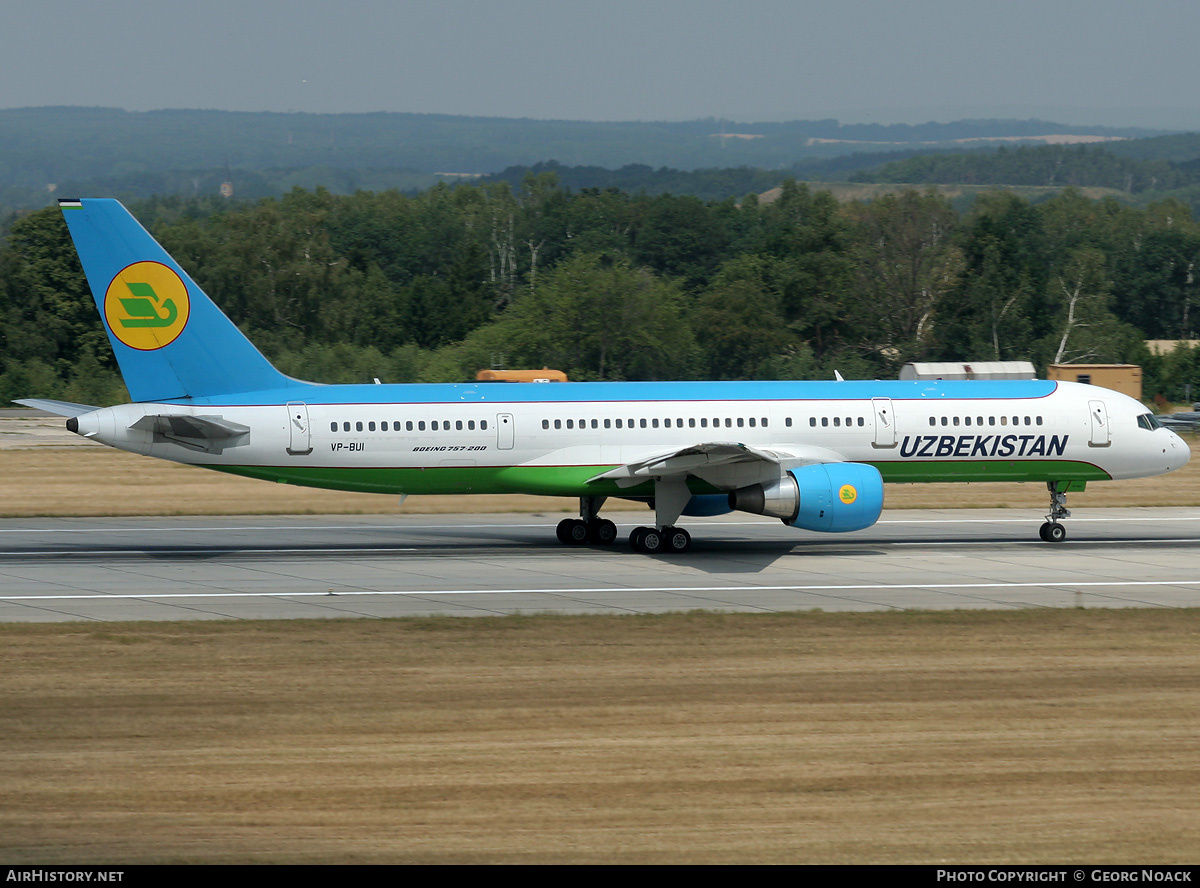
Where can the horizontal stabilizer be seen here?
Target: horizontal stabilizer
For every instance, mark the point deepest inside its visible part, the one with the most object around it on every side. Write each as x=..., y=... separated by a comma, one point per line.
x=59, y=408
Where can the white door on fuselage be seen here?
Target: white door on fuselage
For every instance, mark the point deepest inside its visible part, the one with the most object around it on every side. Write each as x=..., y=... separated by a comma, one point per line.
x=885, y=422
x=504, y=431
x=299, y=433
x=1101, y=434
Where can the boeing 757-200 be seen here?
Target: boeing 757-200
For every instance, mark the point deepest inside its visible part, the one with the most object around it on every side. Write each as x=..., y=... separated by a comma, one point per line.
x=813, y=454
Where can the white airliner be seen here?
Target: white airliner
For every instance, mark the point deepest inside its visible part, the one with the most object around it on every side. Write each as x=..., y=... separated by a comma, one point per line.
x=813, y=454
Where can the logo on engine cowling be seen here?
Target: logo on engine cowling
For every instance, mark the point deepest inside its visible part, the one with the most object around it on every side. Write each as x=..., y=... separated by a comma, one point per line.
x=847, y=494
x=146, y=306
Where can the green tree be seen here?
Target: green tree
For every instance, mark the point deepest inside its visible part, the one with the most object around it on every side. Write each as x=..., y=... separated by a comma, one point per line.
x=594, y=318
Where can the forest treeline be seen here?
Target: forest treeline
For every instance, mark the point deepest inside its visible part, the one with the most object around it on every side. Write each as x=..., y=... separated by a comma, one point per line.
x=605, y=284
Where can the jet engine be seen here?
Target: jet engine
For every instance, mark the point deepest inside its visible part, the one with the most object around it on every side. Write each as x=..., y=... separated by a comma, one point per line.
x=830, y=497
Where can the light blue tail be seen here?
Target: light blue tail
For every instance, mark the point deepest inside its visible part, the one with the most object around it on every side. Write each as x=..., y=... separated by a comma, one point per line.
x=170, y=340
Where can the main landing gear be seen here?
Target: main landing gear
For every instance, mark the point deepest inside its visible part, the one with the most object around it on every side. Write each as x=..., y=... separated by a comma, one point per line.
x=589, y=527
x=1052, y=531
x=664, y=538
x=652, y=541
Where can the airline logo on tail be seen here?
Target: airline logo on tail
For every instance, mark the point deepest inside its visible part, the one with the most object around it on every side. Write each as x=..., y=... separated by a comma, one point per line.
x=146, y=306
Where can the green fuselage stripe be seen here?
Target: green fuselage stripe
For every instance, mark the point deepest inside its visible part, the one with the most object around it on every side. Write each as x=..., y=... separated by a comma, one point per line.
x=572, y=480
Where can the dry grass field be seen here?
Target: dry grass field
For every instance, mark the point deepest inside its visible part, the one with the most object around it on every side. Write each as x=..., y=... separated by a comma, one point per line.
x=1029, y=737
x=96, y=480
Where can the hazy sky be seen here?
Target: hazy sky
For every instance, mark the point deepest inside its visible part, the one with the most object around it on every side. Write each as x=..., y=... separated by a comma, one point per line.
x=1085, y=61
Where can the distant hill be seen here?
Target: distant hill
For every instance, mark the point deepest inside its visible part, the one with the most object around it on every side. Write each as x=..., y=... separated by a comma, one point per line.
x=68, y=149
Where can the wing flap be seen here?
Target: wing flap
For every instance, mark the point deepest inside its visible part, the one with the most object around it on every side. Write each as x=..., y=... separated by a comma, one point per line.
x=725, y=465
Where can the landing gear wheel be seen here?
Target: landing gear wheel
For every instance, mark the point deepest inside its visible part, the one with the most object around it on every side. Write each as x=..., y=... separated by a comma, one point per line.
x=572, y=532
x=1052, y=532
x=652, y=541
x=602, y=531
x=635, y=538
x=677, y=539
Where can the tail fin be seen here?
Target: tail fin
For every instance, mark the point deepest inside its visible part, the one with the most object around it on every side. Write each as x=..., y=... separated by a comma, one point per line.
x=170, y=340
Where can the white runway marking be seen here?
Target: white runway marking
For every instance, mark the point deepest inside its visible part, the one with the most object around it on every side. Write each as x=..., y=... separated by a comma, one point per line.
x=854, y=587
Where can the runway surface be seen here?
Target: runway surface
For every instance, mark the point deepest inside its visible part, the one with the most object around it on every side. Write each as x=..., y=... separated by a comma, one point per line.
x=386, y=566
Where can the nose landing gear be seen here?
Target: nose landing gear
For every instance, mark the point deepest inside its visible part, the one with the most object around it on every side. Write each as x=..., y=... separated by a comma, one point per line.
x=1052, y=531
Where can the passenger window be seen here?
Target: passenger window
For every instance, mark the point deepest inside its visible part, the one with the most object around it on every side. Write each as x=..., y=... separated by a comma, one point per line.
x=570, y=423
x=945, y=420
x=787, y=421
x=608, y=423
x=642, y=423
x=471, y=425
x=408, y=426
x=618, y=423
x=458, y=425
x=991, y=420
x=1039, y=420
x=704, y=422
x=654, y=422
x=728, y=423
x=333, y=427
x=741, y=422
x=345, y=427
x=358, y=427
x=558, y=423
x=968, y=420
x=861, y=421
x=837, y=421
x=752, y=422
x=691, y=422
x=483, y=424
x=421, y=426
x=956, y=420
x=824, y=422
x=595, y=424
x=812, y=421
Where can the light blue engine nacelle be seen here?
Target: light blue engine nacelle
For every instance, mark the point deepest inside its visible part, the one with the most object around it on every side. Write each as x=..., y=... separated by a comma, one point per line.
x=831, y=497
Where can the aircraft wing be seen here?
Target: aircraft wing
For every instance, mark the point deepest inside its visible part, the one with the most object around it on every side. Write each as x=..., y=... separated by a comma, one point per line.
x=724, y=465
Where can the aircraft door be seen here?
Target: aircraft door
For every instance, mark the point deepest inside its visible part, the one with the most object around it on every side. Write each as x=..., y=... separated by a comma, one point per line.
x=300, y=435
x=885, y=422
x=1101, y=435
x=504, y=431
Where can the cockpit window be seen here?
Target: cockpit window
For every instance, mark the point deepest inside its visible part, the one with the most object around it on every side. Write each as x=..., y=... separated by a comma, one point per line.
x=1149, y=422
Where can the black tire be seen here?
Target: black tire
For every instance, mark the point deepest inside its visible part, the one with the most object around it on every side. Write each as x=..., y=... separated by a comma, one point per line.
x=1042, y=532
x=677, y=540
x=602, y=532
x=653, y=541
x=635, y=538
x=577, y=532
x=562, y=533
x=1055, y=532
